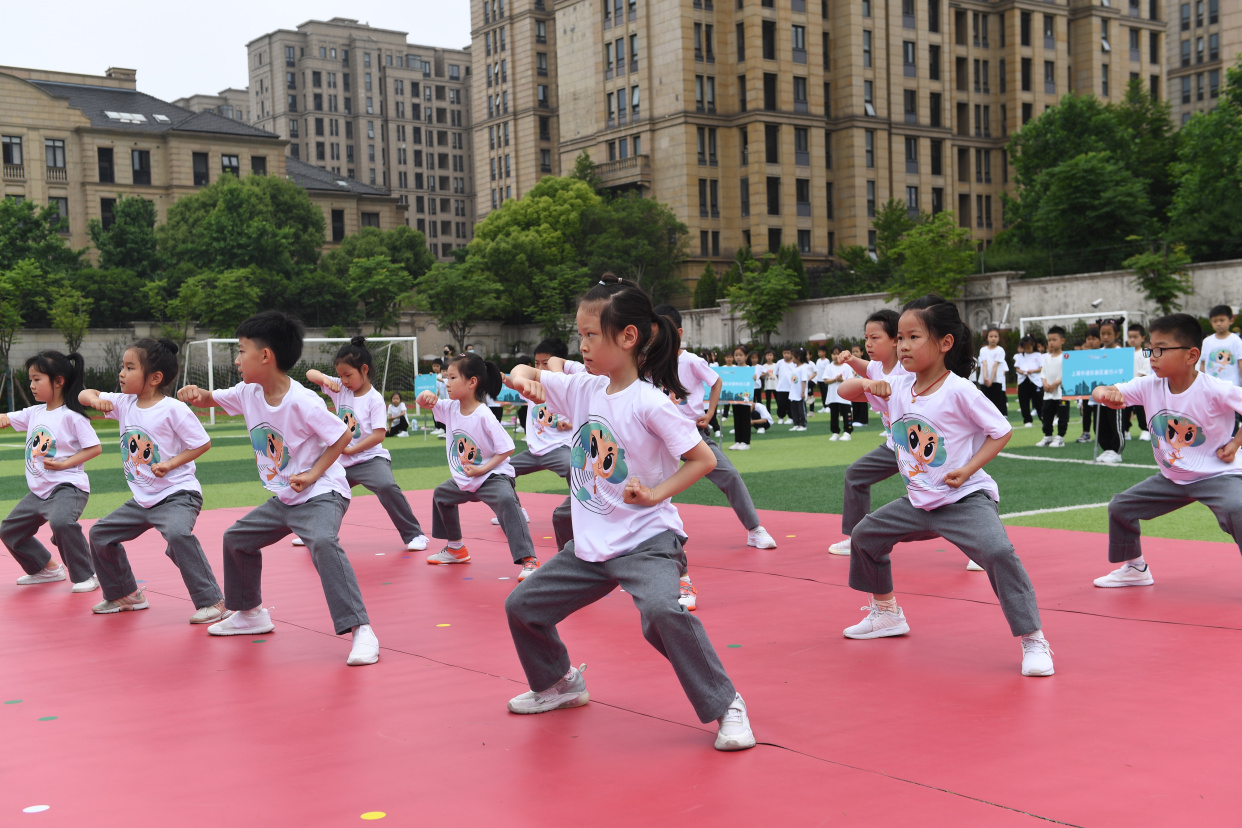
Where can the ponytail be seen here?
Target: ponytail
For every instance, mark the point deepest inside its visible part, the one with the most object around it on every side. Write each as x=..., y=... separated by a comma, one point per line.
x=71, y=369
x=658, y=361
x=941, y=319
x=622, y=304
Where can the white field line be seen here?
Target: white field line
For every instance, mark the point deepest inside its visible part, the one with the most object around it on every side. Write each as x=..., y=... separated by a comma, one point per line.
x=1009, y=456
x=1057, y=509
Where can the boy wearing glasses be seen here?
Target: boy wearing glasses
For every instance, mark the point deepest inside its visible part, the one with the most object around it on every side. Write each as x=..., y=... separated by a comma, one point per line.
x=1191, y=420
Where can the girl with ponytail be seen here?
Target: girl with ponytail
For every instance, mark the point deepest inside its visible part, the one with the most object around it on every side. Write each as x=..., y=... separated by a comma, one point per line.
x=624, y=470
x=59, y=441
x=160, y=440
x=943, y=432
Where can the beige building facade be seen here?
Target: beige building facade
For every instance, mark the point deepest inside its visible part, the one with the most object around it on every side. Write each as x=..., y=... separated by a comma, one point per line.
x=1204, y=40
x=365, y=104
x=228, y=103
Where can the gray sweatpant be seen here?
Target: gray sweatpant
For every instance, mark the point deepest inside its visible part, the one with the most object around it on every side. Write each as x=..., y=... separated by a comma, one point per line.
x=1157, y=495
x=375, y=475
x=174, y=518
x=729, y=480
x=317, y=522
x=566, y=584
x=556, y=460
x=499, y=493
x=972, y=524
x=878, y=464
x=60, y=510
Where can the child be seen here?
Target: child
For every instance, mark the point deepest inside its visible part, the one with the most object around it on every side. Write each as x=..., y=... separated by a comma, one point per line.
x=1222, y=351
x=945, y=435
x=365, y=460
x=742, y=408
x=768, y=371
x=861, y=409
x=1136, y=335
x=820, y=364
x=296, y=442
x=1190, y=438
x=1108, y=423
x=627, y=530
x=798, y=382
x=59, y=440
x=784, y=380
x=478, y=457
x=160, y=440
x=549, y=436
x=992, y=369
x=437, y=368
x=398, y=422
x=1029, y=366
x=1088, y=407
x=1054, y=407
x=760, y=417
x=837, y=372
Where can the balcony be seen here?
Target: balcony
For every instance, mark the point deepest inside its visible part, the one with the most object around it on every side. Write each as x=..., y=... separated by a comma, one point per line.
x=635, y=170
x=14, y=172
x=58, y=174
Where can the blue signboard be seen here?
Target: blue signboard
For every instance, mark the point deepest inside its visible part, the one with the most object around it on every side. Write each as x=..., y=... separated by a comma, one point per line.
x=1082, y=371
x=424, y=382
x=508, y=395
x=737, y=386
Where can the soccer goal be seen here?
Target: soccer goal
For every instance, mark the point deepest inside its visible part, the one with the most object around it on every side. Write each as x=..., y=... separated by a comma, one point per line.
x=209, y=363
x=1076, y=324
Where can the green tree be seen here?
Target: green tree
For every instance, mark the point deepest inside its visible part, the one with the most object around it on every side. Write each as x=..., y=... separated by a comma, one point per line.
x=224, y=300
x=936, y=257
x=130, y=242
x=733, y=276
x=118, y=295
x=766, y=291
x=70, y=313
x=1162, y=276
x=584, y=170
x=16, y=289
x=382, y=287
x=789, y=257
x=892, y=222
x=1154, y=142
x=707, y=291
x=323, y=298
x=459, y=296
x=638, y=239
x=1090, y=201
x=176, y=309
x=30, y=232
x=404, y=247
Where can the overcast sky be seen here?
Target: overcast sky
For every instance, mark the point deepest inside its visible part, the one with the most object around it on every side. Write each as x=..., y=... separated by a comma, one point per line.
x=182, y=48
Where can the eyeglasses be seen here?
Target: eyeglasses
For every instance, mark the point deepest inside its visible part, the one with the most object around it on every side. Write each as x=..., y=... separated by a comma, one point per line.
x=1157, y=352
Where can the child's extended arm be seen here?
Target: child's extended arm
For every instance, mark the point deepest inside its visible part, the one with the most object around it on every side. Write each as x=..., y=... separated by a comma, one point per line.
x=991, y=447
x=707, y=416
x=90, y=397
x=427, y=399
x=195, y=396
x=859, y=365
x=486, y=468
x=699, y=461
x=525, y=381
x=856, y=389
x=323, y=380
x=373, y=439
x=302, y=482
x=187, y=456
x=1109, y=395
x=4, y=421
x=75, y=459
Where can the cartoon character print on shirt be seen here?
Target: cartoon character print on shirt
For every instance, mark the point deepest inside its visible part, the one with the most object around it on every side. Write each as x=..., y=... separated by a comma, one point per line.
x=40, y=445
x=1219, y=361
x=139, y=453
x=923, y=445
x=1170, y=433
x=545, y=419
x=351, y=422
x=465, y=452
x=271, y=454
x=598, y=470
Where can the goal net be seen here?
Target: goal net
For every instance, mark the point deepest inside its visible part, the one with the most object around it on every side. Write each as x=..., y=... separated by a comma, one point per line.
x=208, y=363
x=1077, y=324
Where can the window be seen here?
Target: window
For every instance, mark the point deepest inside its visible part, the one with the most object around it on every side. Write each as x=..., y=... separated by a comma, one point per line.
x=907, y=58
x=141, y=160
x=1185, y=53
x=1153, y=48
x=709, y=44
x=745, y=196
x=1199, y=87
x=541, y=32
x=542, y=91
x=1026, y=74
x=1198, y=13
x=827, y=100
x=804, y=240
x=60, y=206
x=107, y=215
x=1186, y=89
x=910, y=100
x=698, y=94
x=869, y=98
x=802, y=195
x=866, y=48
x=289, y=57
x=1213, y=46
x=802, y=147
x=1198, y=50
x=1213, y=12
x=870, y=199
x=869, y=148
x=827, y=150
x=711, y=94
x=774, y=195
x=12, y=146
x=912, y=154
x=1024, y=23
x=199, y=164
x=933, y=61
x=769, y=91
x=107, y=174
x=1050, y=76
x=54, y=149
x=634, y=97
x=935, y=105
x=702, y=198
x=771, y=143
x=937, y=157
x=933, y=16
x=769, y=40
x=799, y=44
x=541, y=64
x=799, y=94
x=1104, y=79
x=1214, y=84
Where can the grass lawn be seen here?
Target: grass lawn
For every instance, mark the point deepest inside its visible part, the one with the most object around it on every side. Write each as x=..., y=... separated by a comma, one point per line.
x=800, y=472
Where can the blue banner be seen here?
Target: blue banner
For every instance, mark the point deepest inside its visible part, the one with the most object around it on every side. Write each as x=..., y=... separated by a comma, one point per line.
x=1082, y=371
x=424, y=382
x=508, y=395
x=737, y=384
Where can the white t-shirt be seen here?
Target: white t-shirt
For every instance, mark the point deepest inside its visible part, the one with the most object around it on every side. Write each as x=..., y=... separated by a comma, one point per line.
x=1222, y=356
x=361, y=415
x=61, y=432
x=396, y=412
x=634, y=433
x=758, y=376
x=989, y=355
x=936, y=434
x=768, y=371
x=844, y=371
x=542, y=434
x=572, y=367
x=1142, y=364
x=820, y=365
x=784, y=376
x=797, y=383
x=288, y=439
x=875, y=371
x=1052, y=373
x=473, y=440
x=153, y=435
x=441, y=388
x=1187, y=428
x=764, y=414
x=693, y=371
x=1032, y=362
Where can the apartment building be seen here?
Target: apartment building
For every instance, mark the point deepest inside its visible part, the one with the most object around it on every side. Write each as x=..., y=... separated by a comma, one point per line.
x=228, y=103
x=366, y=104
x=1204, y=40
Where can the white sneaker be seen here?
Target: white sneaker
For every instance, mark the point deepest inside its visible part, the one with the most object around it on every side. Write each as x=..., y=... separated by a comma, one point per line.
x=879, y=623
x=450, y=556
x=1057, y=442
x=570, y=691
x=519, y=430
x=1110, y=458
x=403, y=434
x=859, y=425
x=795, y=428
x=366, y=647
x=760, y=539
x=496, y=521
x=733, y=431
x=734, y=447
x=418, y=544
x=742, y=447
x=249, y=622
x=210, y=615
x=298, y=541
x=688, y=595
x=440, y=435
x=1145, y=436
x=763, y=431
x=136, y=600
x=971, y=566
x=834, y=438
x=734, y=732
x=1027, y=425
x=841, y=547
x=1036, y=657
x=845, y=438
x=43, y=576
x=1045, y=441
x=89, y=585
x=1127, y=576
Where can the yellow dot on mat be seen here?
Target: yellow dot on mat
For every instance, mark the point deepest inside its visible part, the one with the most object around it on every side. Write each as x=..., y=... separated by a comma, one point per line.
x=547, y=537
x=374, y=815
x=442, y=625
x=791, y=536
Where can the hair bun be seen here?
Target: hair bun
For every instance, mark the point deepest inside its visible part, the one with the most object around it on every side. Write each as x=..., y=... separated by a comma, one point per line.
x=169, y=345
x=360, y=341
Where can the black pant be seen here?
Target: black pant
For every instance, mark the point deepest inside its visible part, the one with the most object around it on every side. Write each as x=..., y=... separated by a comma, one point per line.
x=782, y=405
x=1055, y=410
x=1029, y=395
x=1088, y=411
x=499, y=411
x=1107, y=429
x=741, y=423
x=1140, y=413
x=768, y=396
x=843, y=410
x=522, y=415
x=401, y=425
x=713, y=425
x=823, y=396
x=797, y=412
x=995, y=394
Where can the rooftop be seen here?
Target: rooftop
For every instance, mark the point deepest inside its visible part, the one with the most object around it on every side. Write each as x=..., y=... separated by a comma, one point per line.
x=310, y=177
